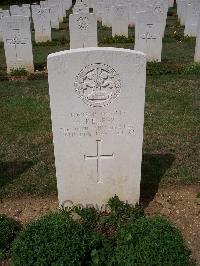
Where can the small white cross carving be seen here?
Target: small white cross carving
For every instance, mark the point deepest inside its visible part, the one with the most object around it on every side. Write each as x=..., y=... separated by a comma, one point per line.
x=98, y=158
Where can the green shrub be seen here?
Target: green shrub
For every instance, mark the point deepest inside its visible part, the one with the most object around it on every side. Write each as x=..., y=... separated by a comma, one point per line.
x=122, y=237
x=158, y=68
x=150, y=241
x=193, y=68
x=9, y=229
x=53, y=240
x=18, y=72
x=117, y=39
x=198, y=195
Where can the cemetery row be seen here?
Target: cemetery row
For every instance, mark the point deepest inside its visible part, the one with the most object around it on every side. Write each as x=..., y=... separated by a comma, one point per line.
x=148, y=18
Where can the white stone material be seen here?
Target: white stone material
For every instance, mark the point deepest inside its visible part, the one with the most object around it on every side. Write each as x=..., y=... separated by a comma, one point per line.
x=192, y=16
x=83, y=30
x=59, y=4
x=148, y=35
x=97, y=98
x=106, y=13
x=44, y=4
x=120, y=20
x=197, y=48
x=80, y=9
x=54, y=16
x=17, y=43
x=42, y=24
x=67, y=4
x=20, y=11
x=3, y=13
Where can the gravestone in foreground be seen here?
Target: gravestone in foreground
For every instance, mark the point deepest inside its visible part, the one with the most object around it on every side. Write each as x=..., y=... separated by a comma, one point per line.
x=97, y=100
x=17, y=43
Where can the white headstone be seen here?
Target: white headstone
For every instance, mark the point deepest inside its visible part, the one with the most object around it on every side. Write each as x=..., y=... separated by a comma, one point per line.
x=106, y=13
x=83, y=30
x=44, y=4
x=42, y=24
x=54, y=15
x=80, y=9
x=197, y=48
x=148, y=35
x=20, y=11
x=17, y=43
x=192, y=16
x=61, y=10
x=97, y=100
x=67, y=4
x=120, y=20
x=3, y=13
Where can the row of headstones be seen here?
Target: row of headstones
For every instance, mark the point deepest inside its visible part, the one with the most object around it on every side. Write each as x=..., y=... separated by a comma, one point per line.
x=46, y=15
x=189, y=16
x=15, y=30
x=148, y=17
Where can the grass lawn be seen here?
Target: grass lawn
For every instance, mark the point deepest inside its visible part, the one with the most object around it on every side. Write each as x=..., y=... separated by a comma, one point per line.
x=172, y=117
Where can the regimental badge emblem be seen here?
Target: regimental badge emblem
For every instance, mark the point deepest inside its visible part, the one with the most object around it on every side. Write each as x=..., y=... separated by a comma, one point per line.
x=83, y=23
x=98, y=85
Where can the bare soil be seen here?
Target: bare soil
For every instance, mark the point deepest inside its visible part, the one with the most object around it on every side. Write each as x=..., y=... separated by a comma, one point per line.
x=178, y=203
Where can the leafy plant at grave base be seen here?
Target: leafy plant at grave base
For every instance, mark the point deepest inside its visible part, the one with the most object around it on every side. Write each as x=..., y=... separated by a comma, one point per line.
x=198, y=195
x=18, y=72
x=60, y=239
x=149, y=241
x=55, y=239
x=117, y=39
x=193, y=68
x=9, y=229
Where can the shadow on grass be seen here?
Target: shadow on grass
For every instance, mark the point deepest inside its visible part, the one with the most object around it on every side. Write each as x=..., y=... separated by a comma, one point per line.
x=154, y=167
x=11, y=170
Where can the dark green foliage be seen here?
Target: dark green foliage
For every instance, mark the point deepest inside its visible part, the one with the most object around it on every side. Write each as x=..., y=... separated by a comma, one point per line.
x=53, y=240
x=154, y=68
x=117, y=39
x=122, y=212
x=198, y=195
x=18, y=72
x=149, y=241
x=193, y=68
x=122, y=237
x=9, y=229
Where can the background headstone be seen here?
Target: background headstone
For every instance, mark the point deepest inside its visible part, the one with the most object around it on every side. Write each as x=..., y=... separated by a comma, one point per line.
x=17, y=43
x=120, y=20
x=42, y=24
x=83, y=30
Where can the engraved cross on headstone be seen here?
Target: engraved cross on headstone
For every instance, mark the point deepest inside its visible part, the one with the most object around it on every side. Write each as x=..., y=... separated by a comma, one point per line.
x=98, y=158
x=15, y=41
